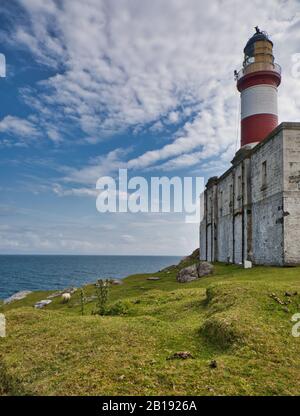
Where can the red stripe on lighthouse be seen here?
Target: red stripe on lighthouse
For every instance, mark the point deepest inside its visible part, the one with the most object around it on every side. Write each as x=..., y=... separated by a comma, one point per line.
x=255, y=128
x=260, y=77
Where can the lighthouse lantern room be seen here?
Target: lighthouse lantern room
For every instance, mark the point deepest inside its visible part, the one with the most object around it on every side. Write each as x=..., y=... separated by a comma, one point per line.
x=257, y=82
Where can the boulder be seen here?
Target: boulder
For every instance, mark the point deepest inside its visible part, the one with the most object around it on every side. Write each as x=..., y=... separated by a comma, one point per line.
x=42, y=303
x=188, y=274
x=116, y=282
x=17, y=296
x=204, y=268
x=55, y=294
x=70, y=290
x=183, y=355
x=154, y=278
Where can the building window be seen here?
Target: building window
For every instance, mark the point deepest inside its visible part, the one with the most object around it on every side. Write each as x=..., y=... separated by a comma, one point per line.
x=221, y=203
x=240, y=187
x=264, y=175
x=239, y=195
x=231, y=197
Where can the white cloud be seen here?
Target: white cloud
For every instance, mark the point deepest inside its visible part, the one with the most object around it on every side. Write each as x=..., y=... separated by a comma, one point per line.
x=60, y=191
x=131, y=63
x=141, y=234
x=18, y=127
x=141, y=65
x=105, y=165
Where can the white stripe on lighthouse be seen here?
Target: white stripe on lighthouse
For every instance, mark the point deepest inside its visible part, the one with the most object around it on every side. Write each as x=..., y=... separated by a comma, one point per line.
x=260, y=99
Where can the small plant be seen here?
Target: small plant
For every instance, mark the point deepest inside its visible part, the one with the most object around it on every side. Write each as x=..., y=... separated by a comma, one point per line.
x=82, y=301
x=102, y=290
x=121, y=307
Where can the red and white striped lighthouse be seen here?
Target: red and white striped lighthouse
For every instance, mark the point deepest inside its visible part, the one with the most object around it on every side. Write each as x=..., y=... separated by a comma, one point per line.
x=257, y=82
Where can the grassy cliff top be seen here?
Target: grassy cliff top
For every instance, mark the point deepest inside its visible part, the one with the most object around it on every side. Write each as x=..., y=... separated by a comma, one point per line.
x=239, y=318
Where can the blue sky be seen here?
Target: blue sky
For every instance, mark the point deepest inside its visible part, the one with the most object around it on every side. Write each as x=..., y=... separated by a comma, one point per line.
x=95, y=86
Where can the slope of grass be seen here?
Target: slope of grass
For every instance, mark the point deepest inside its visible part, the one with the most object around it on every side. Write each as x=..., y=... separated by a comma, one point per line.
x=229, y=317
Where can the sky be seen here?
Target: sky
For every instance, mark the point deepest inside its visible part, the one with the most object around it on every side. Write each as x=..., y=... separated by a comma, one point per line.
x=97, y=85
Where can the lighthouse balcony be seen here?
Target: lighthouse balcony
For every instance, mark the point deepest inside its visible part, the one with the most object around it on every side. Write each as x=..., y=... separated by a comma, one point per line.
x=256, y=67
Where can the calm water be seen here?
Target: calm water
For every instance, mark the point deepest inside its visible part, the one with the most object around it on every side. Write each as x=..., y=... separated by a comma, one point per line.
x=58, y=272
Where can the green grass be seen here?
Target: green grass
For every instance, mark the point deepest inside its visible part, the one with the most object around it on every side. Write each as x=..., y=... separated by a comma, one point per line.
x=228, y=317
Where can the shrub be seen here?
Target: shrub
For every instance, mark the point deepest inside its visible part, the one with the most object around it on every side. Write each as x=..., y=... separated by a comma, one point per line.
x=121, y=307
x=82, y=301
x=102, y=290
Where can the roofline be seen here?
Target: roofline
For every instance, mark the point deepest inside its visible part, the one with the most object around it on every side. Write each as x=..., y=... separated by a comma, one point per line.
x=282, y=126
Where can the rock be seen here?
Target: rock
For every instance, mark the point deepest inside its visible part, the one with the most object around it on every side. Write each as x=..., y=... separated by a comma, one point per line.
x=204, y=268
x=71, y=290
x=291, y=294
x=287, y=294
x=54, y=295
x=276, y=298
x=17, y=296
x=153, y=278
x=213, y=364
x=182, y=355
x=116, y=282
x=187, y=274
x=42, y=303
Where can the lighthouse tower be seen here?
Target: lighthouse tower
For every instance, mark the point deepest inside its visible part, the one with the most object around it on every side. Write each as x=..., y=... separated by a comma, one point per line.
x=257, y=82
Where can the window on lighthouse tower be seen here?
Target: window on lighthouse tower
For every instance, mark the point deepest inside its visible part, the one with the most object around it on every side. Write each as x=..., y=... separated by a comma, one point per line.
x=264, y=175
x=249, y=60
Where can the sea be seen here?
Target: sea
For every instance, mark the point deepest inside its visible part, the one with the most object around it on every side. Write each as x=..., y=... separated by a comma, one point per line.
x=47, y=272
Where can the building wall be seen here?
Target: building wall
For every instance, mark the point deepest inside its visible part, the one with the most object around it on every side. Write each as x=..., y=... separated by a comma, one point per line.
x=208, y=226
x=252, y=212
x=230, y=217
x=225, y=224
x=202, y=240
x=238, y=197
x=291, y=200
x=267, y=200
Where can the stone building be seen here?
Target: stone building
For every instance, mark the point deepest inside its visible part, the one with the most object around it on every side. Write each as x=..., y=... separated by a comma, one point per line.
x=252, y=211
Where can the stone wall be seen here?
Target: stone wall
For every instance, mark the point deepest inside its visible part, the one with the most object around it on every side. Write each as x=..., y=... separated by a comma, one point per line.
x=226, y=225
x=225, y=222
x=252, y=212
x=267, y=199
x=291, y=200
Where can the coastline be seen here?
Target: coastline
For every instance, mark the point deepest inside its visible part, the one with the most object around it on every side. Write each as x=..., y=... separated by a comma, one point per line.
x=49, y=272
x=158, y=337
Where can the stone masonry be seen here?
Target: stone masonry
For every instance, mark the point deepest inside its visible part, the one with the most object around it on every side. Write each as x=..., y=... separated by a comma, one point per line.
x=252, y=212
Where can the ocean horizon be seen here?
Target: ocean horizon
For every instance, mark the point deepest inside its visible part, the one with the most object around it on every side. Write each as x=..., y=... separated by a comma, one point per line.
x=59, y=271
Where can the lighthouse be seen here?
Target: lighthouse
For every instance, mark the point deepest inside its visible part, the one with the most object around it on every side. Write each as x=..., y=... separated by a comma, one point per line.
x=251, y=212
x=257, y=82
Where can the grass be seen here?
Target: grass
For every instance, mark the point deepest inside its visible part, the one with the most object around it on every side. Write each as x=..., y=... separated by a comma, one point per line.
x=229, y=317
